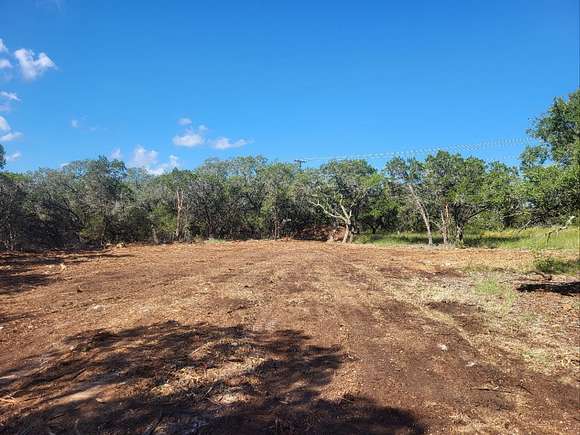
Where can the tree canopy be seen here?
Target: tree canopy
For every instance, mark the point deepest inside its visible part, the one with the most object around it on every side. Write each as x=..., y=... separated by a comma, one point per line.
x=100, y=201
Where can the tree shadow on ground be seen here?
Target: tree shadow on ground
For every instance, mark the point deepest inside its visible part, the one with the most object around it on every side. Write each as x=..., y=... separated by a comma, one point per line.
x=563, y=288
x=20, y=272
x=169, y=378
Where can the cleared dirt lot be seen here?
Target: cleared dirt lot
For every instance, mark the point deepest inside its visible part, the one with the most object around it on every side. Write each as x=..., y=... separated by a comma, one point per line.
x=284, y=337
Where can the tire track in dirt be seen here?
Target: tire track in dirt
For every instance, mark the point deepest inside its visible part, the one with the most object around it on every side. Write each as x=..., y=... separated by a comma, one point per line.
x=459, y=380
x=346, y=300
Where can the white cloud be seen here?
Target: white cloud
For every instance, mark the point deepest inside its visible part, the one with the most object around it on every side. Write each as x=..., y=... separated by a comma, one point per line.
x=6, y=98
x=164, y=167
x=148, y=160
x=3, y=48
x=9, y=137
x=9, y=134
x=190, y=138
x=32, y=67
x=82, y=124
x=116, y=154
x=4, y=126
x=224, y=143
x=5, y=64
x=184, y=121
x=143, y=158
x=11, y=96
x=14, y=156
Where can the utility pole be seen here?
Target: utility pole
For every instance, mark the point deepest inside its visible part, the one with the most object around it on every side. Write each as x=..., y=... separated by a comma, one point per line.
x=299, y=163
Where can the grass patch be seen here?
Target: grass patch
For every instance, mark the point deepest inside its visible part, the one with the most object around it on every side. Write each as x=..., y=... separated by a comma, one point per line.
x=491, y=287
x=549, y=264
x=476, y=268
x=536, y=357
x=530, y=238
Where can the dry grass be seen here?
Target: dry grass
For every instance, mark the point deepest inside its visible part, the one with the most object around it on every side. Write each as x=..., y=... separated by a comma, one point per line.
x=512, y=321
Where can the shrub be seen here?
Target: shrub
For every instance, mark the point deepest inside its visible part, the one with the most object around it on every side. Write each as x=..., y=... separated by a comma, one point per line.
x=550, y=264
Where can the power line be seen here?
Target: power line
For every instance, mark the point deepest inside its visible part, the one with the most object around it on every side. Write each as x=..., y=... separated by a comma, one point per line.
x=421, y=151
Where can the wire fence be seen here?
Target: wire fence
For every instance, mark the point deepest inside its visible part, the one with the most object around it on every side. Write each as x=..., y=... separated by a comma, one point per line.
x=408, y=153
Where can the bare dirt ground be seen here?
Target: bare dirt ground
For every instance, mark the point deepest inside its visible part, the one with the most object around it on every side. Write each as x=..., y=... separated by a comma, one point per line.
x=285, y=337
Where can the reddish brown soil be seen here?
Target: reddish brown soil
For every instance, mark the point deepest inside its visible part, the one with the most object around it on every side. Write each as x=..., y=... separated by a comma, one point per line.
x=262, y=337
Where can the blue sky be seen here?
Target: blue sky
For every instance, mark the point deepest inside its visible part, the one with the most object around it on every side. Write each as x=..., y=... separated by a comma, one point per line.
x=165, y=83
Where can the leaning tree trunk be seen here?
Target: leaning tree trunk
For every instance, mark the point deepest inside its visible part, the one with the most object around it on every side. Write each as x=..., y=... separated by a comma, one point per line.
x=423, y=213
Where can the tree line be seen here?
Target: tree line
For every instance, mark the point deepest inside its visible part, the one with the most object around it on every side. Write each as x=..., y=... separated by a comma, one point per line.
x=100, y=201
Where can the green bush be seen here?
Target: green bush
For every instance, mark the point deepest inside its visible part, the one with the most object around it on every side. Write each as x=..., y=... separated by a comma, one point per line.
x=550, y=264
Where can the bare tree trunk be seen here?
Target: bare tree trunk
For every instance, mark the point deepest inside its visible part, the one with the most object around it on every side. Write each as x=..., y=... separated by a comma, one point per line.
x=423, y=213
x=346, y=236
x=351, y=235
x=179, y=205
x=459, y=233
x=11, y=238
x=445, y=220
x=443, y=228
x=276, y=225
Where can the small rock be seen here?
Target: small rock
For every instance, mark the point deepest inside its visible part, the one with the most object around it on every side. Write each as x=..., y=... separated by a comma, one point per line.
x=442, y=347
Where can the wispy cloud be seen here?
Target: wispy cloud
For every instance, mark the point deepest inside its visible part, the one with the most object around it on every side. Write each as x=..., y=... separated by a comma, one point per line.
x=5, y=64
x=32, y=66
x=191, y=138
x=4, y=126
x=116, y=154
x=9, y=137
x=14, y=156
x=164, y=167
x=3, y=48
x=6, y=100
x=142, y=157
x=148, y=160
x=11, y=96
x=224, y=143
x=58, y=4
x=184, y=121
x=81, y=124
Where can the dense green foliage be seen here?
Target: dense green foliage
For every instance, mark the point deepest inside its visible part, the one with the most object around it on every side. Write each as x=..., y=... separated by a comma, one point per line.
x=447, y=196
x=551, y=171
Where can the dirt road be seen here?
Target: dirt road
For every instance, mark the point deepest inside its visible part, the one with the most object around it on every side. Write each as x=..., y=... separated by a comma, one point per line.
x=281, y=337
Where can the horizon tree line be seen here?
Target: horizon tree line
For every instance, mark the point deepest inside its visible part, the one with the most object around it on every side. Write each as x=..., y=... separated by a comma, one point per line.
x=100, y=201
